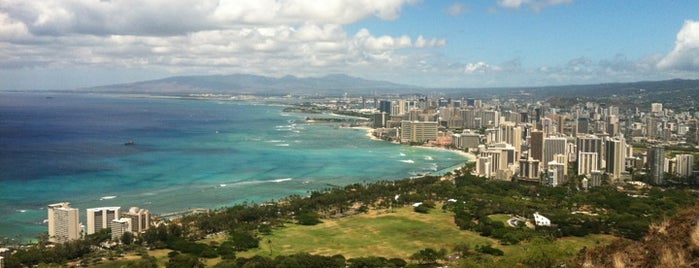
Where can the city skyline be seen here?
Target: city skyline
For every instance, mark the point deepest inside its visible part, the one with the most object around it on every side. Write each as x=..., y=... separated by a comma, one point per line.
x=64, y=45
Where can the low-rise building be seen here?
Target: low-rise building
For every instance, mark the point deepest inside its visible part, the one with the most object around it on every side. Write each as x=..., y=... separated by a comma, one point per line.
x=540, y=220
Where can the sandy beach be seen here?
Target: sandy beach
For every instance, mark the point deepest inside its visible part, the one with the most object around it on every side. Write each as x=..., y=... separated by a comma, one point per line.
x=369, y=132
x=470, y=156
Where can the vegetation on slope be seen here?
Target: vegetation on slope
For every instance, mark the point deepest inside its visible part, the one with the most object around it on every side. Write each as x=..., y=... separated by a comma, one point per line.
x=475, y=205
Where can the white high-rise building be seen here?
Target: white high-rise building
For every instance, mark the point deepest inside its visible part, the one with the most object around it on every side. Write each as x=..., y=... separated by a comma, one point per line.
x=64, y=223
x=529, y=169
x=119, y=227
x=511, y=134
x=498, y=160
x=483, y=167
x=100, y=218
x=140, y=219
x=656, y=107
x=555, y=173
x=418, y=132
x=587, y=162
x=592, y=144
x=552, y=147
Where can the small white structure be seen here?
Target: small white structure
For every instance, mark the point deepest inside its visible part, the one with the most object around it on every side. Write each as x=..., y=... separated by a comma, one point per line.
x=541, y=220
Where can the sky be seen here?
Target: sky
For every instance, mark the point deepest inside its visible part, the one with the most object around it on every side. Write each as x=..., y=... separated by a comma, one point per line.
x=65, y=44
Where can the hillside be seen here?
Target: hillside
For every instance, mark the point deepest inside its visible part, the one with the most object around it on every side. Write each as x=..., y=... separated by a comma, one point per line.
x=672, y=243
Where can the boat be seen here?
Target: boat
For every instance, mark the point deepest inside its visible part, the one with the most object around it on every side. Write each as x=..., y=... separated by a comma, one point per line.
x=131, y=142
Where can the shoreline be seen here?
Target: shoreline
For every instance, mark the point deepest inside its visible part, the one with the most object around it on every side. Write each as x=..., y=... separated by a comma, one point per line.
x=468, y=155
x=369, y=132
x=370, y=135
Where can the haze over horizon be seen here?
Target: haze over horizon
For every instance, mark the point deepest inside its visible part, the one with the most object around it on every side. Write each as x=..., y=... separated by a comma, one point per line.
x=57, y=44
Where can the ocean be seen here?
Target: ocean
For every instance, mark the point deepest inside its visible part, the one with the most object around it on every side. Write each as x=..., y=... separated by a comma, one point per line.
x=186, y=153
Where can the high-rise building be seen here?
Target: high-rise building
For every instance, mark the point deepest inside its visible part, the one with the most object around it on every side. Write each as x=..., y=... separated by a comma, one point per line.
x=555, y=173
x=529, y=169
x=483, y=166
x=616, y=157
x=651, y=128
x=563, y=159
x=498, y=160
x=385, y=106
x=656, y=165
x=119, y=227
x=536, y=145
x=490, y=118
x=511, y=134
x=591, y=144
x=685, y=165
x=466, y=140
x=587, y=162
x=418, y=132
x=583, y=126
x=379, y=120
x=554, y=146
x=656, y=107
x=596, y=179
x=140, y=219
x=693, y=131
x=100, y=218
x=469, y=116
x=64, y=223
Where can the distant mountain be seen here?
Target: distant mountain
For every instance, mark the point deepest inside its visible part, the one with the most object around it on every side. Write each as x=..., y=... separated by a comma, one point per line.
x=673, y=93
x=258, y=85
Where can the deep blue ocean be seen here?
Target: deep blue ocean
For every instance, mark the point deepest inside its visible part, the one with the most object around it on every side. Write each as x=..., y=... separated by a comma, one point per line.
x=58, y=147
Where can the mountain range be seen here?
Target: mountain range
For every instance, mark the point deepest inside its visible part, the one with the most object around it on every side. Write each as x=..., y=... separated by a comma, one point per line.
x=675, y=90
x=330, y=85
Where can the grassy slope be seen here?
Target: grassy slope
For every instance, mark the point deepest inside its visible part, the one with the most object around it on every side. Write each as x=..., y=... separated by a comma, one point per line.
x=387, y=234
x=397, y=234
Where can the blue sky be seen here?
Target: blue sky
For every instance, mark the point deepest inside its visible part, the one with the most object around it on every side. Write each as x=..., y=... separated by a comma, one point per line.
x=59, y=44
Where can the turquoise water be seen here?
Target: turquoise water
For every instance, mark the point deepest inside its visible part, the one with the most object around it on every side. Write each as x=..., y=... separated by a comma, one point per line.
x=187, y=154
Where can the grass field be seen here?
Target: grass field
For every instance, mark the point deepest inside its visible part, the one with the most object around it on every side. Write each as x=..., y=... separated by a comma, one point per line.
x=397, y=234
x=387, y=234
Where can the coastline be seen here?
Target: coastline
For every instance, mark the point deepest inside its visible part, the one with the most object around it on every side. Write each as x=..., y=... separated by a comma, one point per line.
x=468, y=155
x=369, y=132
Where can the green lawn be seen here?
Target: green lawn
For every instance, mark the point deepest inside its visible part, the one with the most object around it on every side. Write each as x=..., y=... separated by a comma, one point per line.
x=387, y=234
x=501, y=218
x=397, y=234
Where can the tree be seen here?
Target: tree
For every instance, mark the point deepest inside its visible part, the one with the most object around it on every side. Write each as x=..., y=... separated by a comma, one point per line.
x=127, y=238
x=422, y=208
x=488, y=249
x=259, y=262
x=309, y=218
x=243, y=241
x=462, y=249
x=543, y=253
x=184, y=261
x=428, y=256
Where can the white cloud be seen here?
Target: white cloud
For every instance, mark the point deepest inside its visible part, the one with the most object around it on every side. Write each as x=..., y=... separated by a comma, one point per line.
x=535, y=5
x=685, y=55
x=162, y=17
x=457, y=9
x=480, y=68
x=269, y=37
